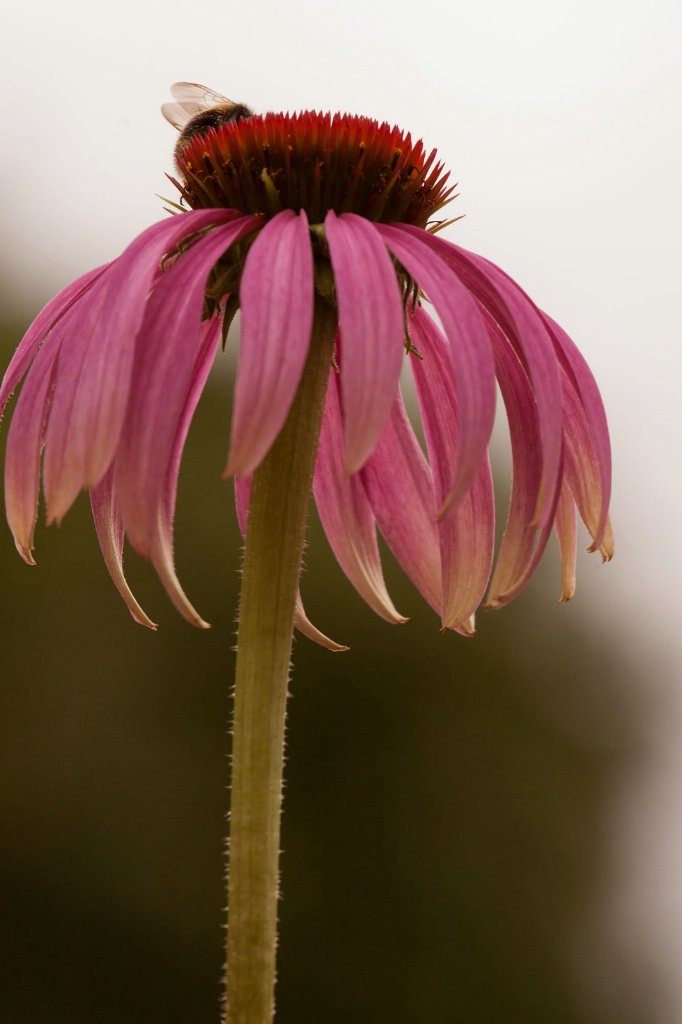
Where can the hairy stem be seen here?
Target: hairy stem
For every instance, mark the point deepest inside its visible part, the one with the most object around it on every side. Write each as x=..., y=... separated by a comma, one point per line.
x=278, y=509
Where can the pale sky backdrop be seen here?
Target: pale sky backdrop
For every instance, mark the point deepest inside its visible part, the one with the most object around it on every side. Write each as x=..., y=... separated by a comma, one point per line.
x=561, y=124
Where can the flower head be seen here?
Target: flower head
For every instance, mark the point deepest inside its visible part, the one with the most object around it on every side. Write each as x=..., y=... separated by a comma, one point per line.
x=286, y=211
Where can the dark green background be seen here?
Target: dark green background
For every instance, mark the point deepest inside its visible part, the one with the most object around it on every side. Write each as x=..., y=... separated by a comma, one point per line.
x=446, y=803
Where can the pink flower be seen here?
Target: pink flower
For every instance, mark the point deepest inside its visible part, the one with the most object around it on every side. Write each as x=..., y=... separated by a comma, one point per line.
x=289, y=211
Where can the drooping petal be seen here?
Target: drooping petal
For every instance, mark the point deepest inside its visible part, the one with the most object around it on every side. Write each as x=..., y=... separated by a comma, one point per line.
x=399, y=485
x=467, y=536
x=161, y=552
x=371, y=327
x=110, y=533
x=305, y=626
x=24, y=444
x=525, y=328
x=107, y=513
x=586, y=433
x=565, y=526
x=583, y=473
x=40, y=329
x=160, y=381
x=242, y=494
x=346, y=513
x=164, y=564
x=96, y=362
x=276, y=298
x=66, y=442
x=607, y=546
x=207, y=346
x=523, y=542
x=470, y=348
x=467, y=628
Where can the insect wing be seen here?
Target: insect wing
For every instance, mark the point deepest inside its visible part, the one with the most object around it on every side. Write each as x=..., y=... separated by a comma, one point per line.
x=177, y=116
x=191, y=99
x=200, y=94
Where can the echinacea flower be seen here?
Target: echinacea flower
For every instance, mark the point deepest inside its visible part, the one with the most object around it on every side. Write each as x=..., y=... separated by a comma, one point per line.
x=287, y=212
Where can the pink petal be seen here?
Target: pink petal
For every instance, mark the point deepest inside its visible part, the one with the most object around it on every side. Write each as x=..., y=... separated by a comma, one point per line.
x=372, y=330
x=607, y=546
x=162, y=558
x=107, y=514
x=471, y=356
x=523, y=324
x=276, y=298
x=565, y=526
x=66, y=442
x=305, y=626
x=24, y=444
x=467, y=536
x=207, y=345
x=162, y=545
x=346, y=513
x=160, y=381
x=588, y=450
x=40, y=329
x=399, y=485
x=523, y=542
x=242, y=493
x=467, y=628
x=110, y=533
x=92, y=389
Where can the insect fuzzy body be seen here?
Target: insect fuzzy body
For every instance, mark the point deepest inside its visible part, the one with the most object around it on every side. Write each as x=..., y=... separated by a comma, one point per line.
x=197, y=108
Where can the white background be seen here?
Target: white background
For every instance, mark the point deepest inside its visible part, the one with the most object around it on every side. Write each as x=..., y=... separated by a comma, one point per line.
x=561, y=125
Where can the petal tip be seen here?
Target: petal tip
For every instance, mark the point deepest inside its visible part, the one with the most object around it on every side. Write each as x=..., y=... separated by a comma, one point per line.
x=189, y=613
x=467, y=628
x=145, y=622
x=27, y=554
x=305, y=626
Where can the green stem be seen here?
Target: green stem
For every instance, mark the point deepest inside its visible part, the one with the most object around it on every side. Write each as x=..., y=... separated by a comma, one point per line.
x=278, y=509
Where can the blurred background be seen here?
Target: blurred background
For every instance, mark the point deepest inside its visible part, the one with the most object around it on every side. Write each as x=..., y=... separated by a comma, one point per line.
x=475, y=832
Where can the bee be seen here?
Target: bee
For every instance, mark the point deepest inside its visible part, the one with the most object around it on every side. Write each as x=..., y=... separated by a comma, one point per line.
x=198, y=108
